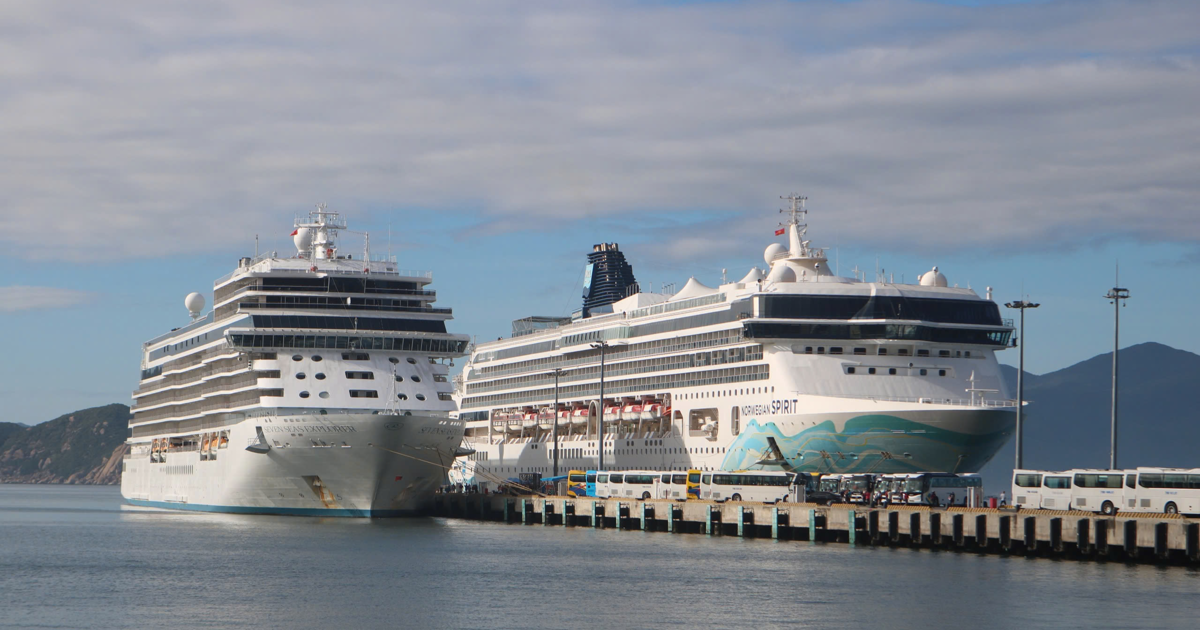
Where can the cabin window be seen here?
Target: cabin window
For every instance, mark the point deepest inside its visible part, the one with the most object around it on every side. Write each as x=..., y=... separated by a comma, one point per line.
x=356, y=356
x=860, y=351
x=415, y=378
x=393, y=360
x=924, y=372
x=892, y=371
x=835, y=350
x=300, y=375
x=922, y=353
x=941, y=372
x=420, y=396
x=317, y=358
x=402, y=396
x=849, y=370
x=296, y=357
x=320, y=376
x=304, y=394
x=882, y=351
x=412, y=360
x=323, y=395
x=364, y=393
x=870, y=370
x=445, y=396
x=943, y=353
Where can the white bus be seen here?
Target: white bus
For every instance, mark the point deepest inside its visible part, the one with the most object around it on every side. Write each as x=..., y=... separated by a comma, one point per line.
x=919, y=488
x=672, y=485
x=1163, y=490
x=756, y=486
x=1041, y=489
x=1097, y=490
x=637, y=484
x=605, y=483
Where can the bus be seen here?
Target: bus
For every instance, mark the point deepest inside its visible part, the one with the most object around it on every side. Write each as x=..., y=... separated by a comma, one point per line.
x=856, y=488
x=581, y=483
x=693, y=483
x=1100, y=491
x=674, y=485
x=919, y=488
x=1162, y=490
x=636, y=484
x=1040, y=489
x=608, y=484
x=755, y=486
x=831, y=483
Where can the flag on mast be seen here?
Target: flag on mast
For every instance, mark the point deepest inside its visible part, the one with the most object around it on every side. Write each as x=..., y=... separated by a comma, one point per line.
x=780, y=231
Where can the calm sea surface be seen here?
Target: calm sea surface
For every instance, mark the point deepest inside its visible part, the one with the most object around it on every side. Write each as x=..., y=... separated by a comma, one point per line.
x=72, y=557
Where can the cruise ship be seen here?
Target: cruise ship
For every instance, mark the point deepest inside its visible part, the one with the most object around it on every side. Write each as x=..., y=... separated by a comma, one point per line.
x=790, y=367
x=318, y=384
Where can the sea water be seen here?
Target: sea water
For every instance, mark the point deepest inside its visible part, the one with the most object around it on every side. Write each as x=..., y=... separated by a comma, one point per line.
x=74, y=557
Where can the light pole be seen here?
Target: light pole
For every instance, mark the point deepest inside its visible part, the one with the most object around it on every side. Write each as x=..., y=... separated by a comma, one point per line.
x=603, y=346
x=1116, y=294
x=554, y=419
x=1022, y=305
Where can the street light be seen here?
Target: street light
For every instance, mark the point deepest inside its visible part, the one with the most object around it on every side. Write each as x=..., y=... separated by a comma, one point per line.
x=1022, y=305
x=1116, y=294
x=603, y=347
x=554, y=419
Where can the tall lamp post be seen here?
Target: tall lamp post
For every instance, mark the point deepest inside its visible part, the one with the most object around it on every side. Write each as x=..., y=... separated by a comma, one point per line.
x=1021, y=305
x=554, y=419
x=1116, y=294
x=603, y=347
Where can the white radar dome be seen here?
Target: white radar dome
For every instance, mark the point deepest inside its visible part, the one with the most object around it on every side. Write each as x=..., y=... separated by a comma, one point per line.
x=303, y=239
x=933, y=278
x=782, y=273
x=773, y=250
x=194, y=303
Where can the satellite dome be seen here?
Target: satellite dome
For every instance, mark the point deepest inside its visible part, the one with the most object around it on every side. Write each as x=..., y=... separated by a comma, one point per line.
x=782, y=273
x=773, y=250
x=933, y=278
x=194, y=303
x=303, y=239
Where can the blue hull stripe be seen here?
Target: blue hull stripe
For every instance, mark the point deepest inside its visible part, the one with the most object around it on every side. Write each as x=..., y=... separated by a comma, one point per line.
x=241, y=509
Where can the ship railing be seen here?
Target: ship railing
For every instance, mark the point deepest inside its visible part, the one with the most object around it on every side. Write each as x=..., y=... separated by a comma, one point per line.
x=932, y=400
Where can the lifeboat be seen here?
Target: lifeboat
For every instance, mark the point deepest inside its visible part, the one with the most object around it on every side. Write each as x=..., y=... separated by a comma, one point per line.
x=612, y=414
x=651, y=412
x=545, y=419
x=579, y=417
x=564, y=418
x=529, y=420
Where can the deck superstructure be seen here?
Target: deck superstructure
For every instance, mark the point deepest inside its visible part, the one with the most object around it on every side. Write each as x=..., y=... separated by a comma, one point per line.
x=317, y=384
x=790, y=366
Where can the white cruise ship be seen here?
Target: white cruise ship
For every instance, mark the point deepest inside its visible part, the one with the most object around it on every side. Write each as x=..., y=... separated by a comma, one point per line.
x=317, y=385
x=790, y=367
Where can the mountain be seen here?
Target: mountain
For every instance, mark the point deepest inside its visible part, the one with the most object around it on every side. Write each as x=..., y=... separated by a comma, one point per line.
x=84, y=447
x=1068, y=416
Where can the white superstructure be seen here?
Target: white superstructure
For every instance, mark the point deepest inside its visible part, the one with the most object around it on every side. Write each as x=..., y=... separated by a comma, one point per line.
x=318, y=384
x=791, y=366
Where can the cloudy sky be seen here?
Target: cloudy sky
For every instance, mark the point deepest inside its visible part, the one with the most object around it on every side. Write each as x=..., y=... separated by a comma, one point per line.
x=1028, y=146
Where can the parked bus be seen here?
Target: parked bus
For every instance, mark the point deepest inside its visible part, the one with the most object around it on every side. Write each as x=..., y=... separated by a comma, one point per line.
x=753, y=486
x=1162, y=490
x=581, y=483
x=919, y=488
x=605, y=482
x=674, y=485
x=831, y=484
x=1097, y=490
x=856, y=488
x=693, y=484
x=636, y=484
x=1039, y=489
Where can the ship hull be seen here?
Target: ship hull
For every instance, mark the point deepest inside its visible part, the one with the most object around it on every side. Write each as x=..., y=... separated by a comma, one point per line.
x=352, y=464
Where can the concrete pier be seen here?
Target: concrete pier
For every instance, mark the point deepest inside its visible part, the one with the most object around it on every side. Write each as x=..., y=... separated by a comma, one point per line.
x=1154, y=538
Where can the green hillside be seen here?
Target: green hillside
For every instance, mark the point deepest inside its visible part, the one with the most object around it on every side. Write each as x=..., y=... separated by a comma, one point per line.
x=73, y=448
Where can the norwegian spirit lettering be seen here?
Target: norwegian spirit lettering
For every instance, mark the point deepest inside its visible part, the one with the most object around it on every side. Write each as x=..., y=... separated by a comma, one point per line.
x=311, y=428
x=775, y=408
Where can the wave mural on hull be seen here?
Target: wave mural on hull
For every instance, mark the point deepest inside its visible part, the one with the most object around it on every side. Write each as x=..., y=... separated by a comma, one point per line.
x=872, y=443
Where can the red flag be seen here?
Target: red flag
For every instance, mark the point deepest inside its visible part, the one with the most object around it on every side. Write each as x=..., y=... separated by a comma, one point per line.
x=295, y=232
x=780, y=231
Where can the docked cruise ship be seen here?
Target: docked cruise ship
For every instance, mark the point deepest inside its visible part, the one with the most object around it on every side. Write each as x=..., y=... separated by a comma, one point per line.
x=789, y=367
x=317, y=385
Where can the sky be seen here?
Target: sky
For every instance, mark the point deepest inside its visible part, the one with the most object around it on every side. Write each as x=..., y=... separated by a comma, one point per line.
x=1028, y=146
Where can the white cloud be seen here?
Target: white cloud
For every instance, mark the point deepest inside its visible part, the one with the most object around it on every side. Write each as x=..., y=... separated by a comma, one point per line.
x=19, y=298
x=143, y=128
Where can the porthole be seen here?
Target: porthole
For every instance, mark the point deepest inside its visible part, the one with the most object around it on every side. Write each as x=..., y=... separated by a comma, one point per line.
x=304, y=394
x=393, y=360
x=296, y=357
x=412, y=360
x=941, y=372
x=317, y=358
x=399, y=379
x=420, y=396
x=320, y=376
x=416, y=379
x=924, y=372
x=402, y=396
x=300, y=375
x=324, y=394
